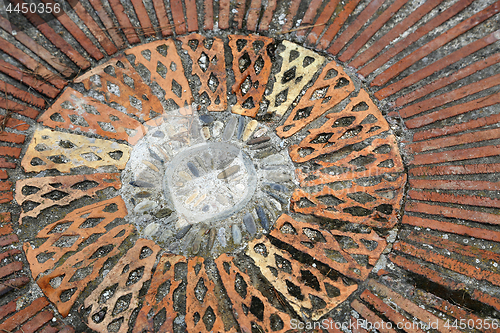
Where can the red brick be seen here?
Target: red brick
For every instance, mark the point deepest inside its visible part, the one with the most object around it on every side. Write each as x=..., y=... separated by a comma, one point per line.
x=309, y=16
x=292, y=11
x=267, y=17
x=451, y=96
x=388, y=312
x=6, y=197
x=3, y=174
x=448, y=263
x=67, y=329
x=438, y=65
x=445, y=184
x=109, y=27
x=238, y=16
x=7, y=309
x=36, y=322
x=452, y=198
x=31, y=64
x=12, y=137
x=5, y=217
x=7, y=240
x=144, y=20
x=55, y=38
x=452, y=228
x=323, y=19
x=433, y=45
x=444, y=81
x=422, y=270
x=24, y=314
x=49, y=329
x=11, y=284
x=161, y=15
x=5, y=230
x=371, y=30
x=124, y=22
x=356, y=328
x=371, y=317
x=5, y=186
x=10, y=269
x=10, y=151
x=18, y=108
x=5, y=164
x=9, y=253
x=253, y=15
x=191, y=15
x=456, y=155
x=401, y=27
x=451, y=212
x=354, y=27
x=487, y=299
x=209, y=15
x=28, y=79
x=23, y=95
x=339, y=21
x=37, y=48
x=467, y=169
x=14, y=123
x=178, y=16
x=224, y=7
x=413, y=37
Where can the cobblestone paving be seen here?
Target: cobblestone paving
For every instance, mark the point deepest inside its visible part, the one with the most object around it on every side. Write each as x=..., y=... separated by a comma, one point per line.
x=259, y=166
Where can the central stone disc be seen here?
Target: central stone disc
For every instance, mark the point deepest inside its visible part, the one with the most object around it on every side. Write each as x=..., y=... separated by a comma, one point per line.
x=209, y=182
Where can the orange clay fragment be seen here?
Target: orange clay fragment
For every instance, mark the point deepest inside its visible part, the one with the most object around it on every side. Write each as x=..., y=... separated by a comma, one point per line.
x=376, y=206
x=118, y=81
x=209, y=66
x=166, y=69
x=72, y=111
x=62, y=190
x=251, y=68
x=77, y=227
x=360, y=120
x=321, y=244
x=230, y=277
x=332, y=87
x=62, y=151
x=164, y=274
x=286, y=274
x=125, y=280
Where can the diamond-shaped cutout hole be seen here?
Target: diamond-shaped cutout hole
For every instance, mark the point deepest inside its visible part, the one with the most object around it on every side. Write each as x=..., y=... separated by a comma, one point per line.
x=331, y=74
x=329, y=200
x=281, y=98
x=66, y=241
x=107, y=293
x=176, y=88
x=193, y=44
x=258, y=65
x=240, y=44
x=303, y=113
x=314, y=235
x=135, y=102
x=128, y=81
x=341, y=82
x=293, y=55
x=319, y=93
x=107, y=127
x=57, y=117
x=161, y=69
x=55, y=195
x=173, y=66
x=240, y=286
x=309, y=279
x=209, y=318
x=257, y=46
x=200, y=290
x=78, y=120
x=29, y=190
x=294, y=290
x=362, y=161
x=307, y=61
x=122, y=304
x=110, y=70
x=248, y=103
x=146, y=54
x=91, y=157
x=289, y=75
x=246, y=85
x=162, y=49
x=135, y=276
x=244, y=62
x=58, y=159
x=213, y=83
x=203, y=61
x=113, y=88
x=81, y=273
x=257, y=308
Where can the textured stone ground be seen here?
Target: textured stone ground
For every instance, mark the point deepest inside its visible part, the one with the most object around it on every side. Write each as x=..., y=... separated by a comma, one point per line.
x=254, y=166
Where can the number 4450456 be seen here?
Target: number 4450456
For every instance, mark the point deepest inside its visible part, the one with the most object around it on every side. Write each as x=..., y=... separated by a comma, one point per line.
x=34, y=8
x=473, y=324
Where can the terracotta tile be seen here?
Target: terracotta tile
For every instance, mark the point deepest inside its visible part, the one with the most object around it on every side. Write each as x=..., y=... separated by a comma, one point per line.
x=397, y=30
x=7, y=286
x=5, y=164
x=14, y=123
x=6, y=197
x=74, y=154
x=173, y=76
x=371, y=317
x=241, y=303
x=66, y=186
x=5, y=186
x=209, y=15
x=294, y=74
x=12, y=137
x=414, y=36
x=55, y=38
x=10, y=151
x=294, y=276
x=258, y=79
x=163, y=20
x=455, y=155
x=23, y=95
x=436, y=43
x=191, y=15
x=29, y=79
x=291, y=13
x=126, y=274
x=464, y=169
x=334, y=135
x=337, y=24
x=471, y=185
x=124, y=22
x=109, y=26
x=267, y=16
x=253, y=14
x=70, y=227
x=18, y=108
x=36, y=322
x=309, y=15
x=471, y=200
x=73, y=105
x=486, y=299
x=111, y=84
x=144, y=20
x=7, y=309
x=178, y=17
x=24, y=314
x=11, y=268
x=320, y=24
x=164, y=274
x=316, y=101
x=224, y=6
x=5, y=230
x=208, y=65
x=318, y=247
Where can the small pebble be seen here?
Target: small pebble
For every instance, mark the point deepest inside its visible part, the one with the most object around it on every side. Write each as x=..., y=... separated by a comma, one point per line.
x=151, y=229
x=278, y=176
x=273, y=159
x=183, y=231
x=145, y=206
x=151, y=166
x=261, y=146
x=193, y=169
x=217, y=128
x=241, y=126
x=207, y=119
x=260, y=132
x=192, y=197
x=206, y=132
x=200, y=163
x=228, y=172
x=221, y=235
x=211, y=239
x=251, y=126
x=200, y=200
x=236, y=234
x=185, y=175
x=163, y=213
x=140, y=183
x=143, y=194
x=159, y=134
x=230, y=128
x=222, y=199
x=155, y=156
x=277, y=197
x=258, y=140
x=262, y=217
x=250, y=224
x=206, y=208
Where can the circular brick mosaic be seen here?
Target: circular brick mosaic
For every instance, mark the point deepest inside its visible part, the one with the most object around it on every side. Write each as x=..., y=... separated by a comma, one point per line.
x=233, y=160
